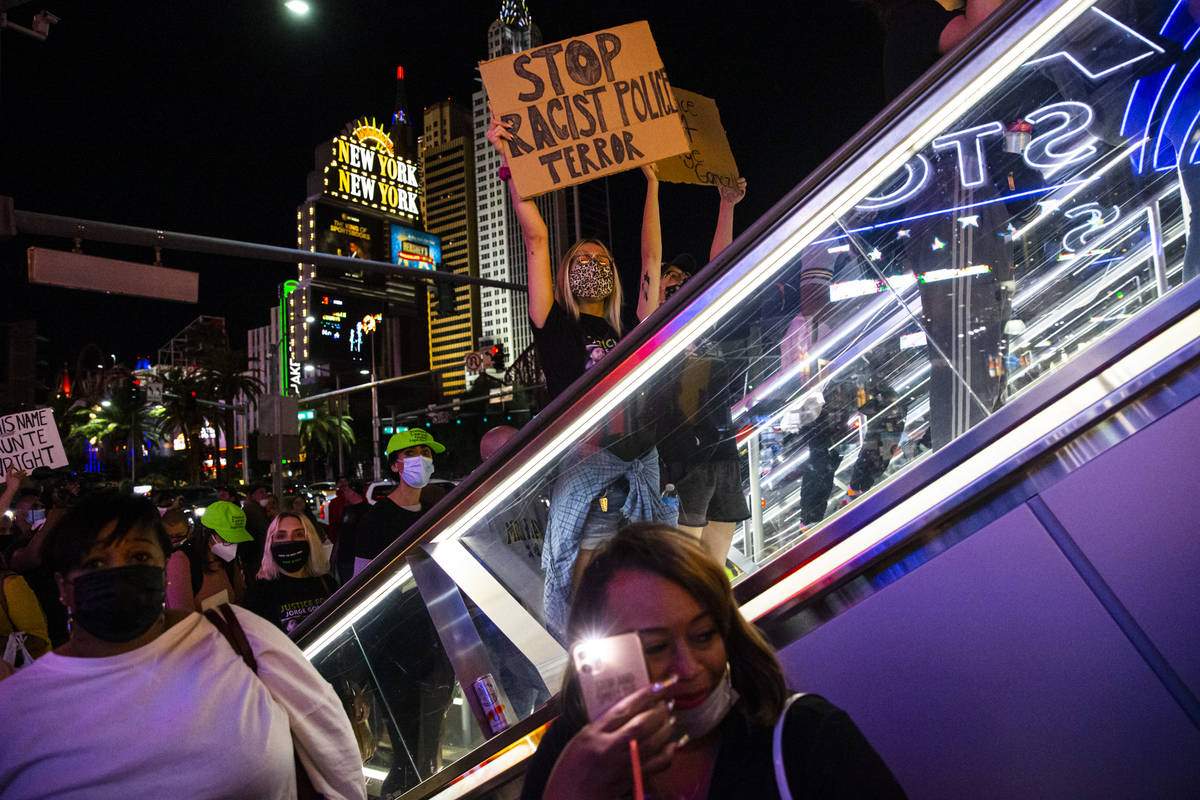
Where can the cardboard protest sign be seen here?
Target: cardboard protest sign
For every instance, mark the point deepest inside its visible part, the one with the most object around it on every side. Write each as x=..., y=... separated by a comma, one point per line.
x=584, y=108
x=28, y=440
x=709, y=161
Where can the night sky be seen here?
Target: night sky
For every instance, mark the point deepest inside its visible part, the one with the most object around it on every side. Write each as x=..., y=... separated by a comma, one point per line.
x=204, y=118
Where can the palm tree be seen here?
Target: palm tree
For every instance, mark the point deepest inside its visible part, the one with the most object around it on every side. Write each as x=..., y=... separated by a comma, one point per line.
x=319, y=435
x=224, y=378
x=224, y=375
x=119, y=422
x=180, y=411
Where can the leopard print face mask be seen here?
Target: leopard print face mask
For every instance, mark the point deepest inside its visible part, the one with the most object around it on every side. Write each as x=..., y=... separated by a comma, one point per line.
x=590, y=277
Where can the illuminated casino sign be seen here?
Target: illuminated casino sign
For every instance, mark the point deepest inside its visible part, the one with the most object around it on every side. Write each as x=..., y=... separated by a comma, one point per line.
x=363, y=169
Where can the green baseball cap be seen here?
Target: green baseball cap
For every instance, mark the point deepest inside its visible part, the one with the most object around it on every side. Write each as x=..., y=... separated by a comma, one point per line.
x=228, y=521
x=411, y=438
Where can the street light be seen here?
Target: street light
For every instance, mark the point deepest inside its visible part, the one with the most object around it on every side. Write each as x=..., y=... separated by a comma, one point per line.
x=298, y=7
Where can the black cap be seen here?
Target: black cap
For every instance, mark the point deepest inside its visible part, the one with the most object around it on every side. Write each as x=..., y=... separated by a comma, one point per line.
x=684, y=262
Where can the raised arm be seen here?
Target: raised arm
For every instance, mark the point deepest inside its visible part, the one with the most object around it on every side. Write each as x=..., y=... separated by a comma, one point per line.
x=12, y=483
x=533, y=231
x=651, y=247
x=723, y=236
x=975, y=12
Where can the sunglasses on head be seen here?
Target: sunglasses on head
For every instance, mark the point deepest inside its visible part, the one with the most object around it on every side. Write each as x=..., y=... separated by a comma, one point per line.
x=587, y=260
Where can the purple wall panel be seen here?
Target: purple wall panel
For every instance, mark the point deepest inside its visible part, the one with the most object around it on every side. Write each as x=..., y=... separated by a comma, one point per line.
x=991, y=671
x=1135, y=512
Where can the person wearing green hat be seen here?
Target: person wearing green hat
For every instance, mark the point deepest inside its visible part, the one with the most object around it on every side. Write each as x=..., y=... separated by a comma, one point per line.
x=410, y=456
x=206, y=571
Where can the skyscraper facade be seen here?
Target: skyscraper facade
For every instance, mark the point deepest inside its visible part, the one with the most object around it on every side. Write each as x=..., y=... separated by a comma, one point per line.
x=447, y=149
x=504, y=315
x=570, y=214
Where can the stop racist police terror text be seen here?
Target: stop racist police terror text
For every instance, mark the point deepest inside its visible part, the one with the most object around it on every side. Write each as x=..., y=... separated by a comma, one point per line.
x=578, y=116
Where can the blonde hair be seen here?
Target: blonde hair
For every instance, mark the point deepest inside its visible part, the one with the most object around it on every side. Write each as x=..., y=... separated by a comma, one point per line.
x=318, y=562
x=562, y=288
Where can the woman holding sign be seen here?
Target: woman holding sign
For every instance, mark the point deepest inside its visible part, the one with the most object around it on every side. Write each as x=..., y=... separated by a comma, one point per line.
x=576, y=318
x=576, y=313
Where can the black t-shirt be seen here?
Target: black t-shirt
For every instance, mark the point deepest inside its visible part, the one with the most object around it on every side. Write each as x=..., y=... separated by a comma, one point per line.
x=824, y=754
x=286, y=601
x=705, y=433
x=911, y=43
x=568, y=347
x=382, y=525
x=348, y=526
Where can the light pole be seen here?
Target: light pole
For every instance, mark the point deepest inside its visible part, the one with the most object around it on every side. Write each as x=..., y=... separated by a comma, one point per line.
x=374, y=416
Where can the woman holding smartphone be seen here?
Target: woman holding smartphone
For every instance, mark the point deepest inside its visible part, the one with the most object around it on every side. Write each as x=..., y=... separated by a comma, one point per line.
x=704, y=726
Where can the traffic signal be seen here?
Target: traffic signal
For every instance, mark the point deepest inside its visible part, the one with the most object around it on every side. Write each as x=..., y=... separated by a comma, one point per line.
x=445, y=298
x=498, y=355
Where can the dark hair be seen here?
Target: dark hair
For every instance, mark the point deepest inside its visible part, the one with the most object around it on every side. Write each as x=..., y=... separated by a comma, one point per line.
x=679, y=558
x=174, y=516
x=357, y=486
x=79, y=529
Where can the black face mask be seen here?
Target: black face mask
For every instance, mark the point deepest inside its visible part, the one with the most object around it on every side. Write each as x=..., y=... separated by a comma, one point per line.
x=119, y=604
x=290, y=556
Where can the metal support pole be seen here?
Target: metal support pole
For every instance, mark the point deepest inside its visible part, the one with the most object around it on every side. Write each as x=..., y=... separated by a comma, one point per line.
x=756, y=548
x=132, y=442
x=1156, y=239
x=312, y=398
x=246, y=444
x=338, y=419
x=34, y=223
x=276, y=465
x=375, y=465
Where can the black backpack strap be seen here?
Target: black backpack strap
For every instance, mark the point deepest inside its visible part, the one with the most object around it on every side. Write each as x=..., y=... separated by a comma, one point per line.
x=224, y=620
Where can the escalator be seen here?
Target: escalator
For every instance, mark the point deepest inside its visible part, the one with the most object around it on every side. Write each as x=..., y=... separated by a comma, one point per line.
x=953, y=379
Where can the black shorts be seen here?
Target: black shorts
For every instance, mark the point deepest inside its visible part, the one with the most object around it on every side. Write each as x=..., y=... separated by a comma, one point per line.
x=711, y=492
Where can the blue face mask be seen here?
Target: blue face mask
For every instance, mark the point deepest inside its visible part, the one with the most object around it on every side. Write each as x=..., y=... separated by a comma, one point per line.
x=417, y=471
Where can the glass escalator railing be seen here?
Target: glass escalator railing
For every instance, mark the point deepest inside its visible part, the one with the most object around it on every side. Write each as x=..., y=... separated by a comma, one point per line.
x=1010, y=211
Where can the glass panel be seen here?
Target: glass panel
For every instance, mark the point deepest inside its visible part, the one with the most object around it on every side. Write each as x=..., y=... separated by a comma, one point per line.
x=809, y=373
x=398, y=682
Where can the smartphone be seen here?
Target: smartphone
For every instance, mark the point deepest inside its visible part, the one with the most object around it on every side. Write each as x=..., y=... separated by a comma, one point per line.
x=609, y=669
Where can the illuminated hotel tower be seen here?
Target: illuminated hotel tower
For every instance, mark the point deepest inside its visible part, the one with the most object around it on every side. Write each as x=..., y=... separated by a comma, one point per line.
x=570, y=214
x=446, y=155
x=504, y=315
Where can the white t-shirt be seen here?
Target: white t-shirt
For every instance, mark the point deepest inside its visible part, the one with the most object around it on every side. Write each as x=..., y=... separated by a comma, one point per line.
x=181, y=717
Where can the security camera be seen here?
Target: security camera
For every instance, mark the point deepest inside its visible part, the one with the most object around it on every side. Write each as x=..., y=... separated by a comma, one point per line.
x=42, y=22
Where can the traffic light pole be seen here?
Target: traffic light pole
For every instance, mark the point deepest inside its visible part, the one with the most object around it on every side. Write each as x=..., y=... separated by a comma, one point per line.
x=374, y=415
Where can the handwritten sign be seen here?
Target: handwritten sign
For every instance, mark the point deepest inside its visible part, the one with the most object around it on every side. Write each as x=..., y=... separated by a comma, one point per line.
x=29, y=440
x=709, y=160
x=584, y=108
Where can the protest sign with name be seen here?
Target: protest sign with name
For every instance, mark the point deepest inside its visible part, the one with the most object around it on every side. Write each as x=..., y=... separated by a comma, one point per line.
x=28, y=440
x=709, y=161
x=584, y=108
